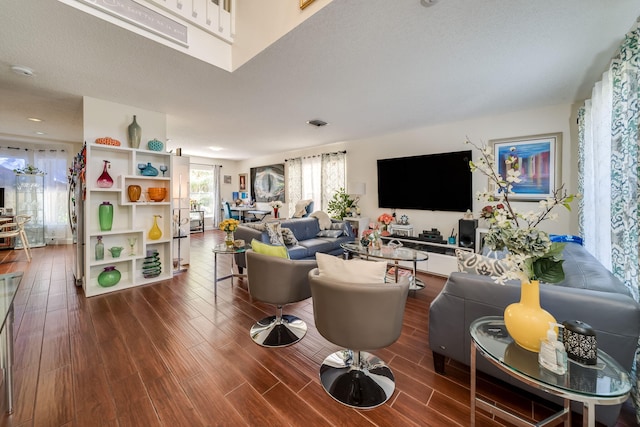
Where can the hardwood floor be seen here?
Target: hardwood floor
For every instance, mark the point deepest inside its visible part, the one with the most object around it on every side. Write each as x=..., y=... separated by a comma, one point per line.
x=169, y=354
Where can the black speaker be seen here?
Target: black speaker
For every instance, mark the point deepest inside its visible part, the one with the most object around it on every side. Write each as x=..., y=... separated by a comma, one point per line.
x=467, y=233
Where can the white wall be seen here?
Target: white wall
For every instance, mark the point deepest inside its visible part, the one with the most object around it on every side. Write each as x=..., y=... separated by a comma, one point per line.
x=362, y=155
x=99, y=117
x=254, y=33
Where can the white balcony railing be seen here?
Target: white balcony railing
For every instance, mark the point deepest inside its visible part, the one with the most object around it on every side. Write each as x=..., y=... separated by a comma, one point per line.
x=213, y=16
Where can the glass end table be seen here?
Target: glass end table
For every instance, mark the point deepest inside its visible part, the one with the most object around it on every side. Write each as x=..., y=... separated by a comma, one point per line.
x=223, y=249
x=392, y=253
x=606, y=383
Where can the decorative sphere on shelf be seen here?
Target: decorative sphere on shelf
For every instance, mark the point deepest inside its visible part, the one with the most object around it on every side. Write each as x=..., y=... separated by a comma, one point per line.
x=155, y=145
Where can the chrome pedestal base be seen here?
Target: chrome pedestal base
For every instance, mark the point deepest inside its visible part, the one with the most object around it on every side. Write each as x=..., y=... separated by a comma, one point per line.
x=274, y=332
x=364, y=384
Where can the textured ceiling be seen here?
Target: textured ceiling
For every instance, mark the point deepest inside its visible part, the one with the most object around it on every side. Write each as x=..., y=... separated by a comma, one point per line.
x=367, y=67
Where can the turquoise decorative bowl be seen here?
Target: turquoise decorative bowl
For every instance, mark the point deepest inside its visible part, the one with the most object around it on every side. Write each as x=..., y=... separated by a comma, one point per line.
x=155, y=145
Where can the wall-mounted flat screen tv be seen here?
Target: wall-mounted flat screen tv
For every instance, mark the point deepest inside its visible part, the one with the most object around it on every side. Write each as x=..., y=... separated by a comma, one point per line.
x=435, y=182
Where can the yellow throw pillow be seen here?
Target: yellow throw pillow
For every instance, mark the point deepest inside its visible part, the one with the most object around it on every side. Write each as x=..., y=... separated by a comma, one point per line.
x=353, y=270
x=271, y=250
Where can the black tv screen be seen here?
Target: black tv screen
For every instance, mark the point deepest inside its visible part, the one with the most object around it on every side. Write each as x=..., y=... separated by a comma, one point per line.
x=435, y=182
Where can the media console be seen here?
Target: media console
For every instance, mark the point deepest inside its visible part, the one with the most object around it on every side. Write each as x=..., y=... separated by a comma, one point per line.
x=442, y=257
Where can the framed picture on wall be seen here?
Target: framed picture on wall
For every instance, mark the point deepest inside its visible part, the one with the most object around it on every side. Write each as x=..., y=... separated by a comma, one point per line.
x=537, y=157
x=227, y=179
x=267, y=183
x=243, y=181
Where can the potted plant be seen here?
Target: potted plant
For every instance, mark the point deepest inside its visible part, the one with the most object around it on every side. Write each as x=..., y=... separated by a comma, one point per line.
x=342, y=205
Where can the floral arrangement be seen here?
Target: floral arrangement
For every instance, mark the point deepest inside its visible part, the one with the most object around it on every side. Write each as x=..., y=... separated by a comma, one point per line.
x=342, y=205
x=532, y=255
x=371, y=236
x=28, y=170
x=385, y=219
x=276, y=204
x=229, y=225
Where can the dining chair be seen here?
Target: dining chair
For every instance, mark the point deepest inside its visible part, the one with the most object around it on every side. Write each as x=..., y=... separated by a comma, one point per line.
x=227, y=212
x=16, y=229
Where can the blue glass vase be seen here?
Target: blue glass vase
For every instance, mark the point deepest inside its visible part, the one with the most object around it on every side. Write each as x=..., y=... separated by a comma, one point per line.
x=149, y=170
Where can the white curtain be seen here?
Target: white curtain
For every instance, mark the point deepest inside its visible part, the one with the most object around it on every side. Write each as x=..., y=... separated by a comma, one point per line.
x=217, y=208
x=312, y=180
x=316, y=178
x=293, y=172
x=56, y=164
x=334, y=171
x=595, y=221
x=609, y=172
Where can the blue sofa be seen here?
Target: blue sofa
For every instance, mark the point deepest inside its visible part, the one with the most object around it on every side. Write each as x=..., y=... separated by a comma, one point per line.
x=306, y=231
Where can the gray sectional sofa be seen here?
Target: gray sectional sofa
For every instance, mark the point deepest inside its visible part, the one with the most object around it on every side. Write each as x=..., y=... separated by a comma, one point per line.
x=589, y=293
x=306, y=231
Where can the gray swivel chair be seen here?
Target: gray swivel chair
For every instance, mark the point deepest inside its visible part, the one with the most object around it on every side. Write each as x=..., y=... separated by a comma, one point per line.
x=358, y=316
x=278, y=281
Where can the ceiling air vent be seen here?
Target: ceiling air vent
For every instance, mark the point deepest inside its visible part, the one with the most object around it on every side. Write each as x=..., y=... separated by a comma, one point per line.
x=317, y=123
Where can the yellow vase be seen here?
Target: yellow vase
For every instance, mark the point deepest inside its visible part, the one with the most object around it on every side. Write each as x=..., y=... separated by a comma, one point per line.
x=526, y=321
x=155, y=233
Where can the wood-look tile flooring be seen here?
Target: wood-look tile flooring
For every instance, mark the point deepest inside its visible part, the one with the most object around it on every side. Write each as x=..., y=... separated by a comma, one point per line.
x=169, y=354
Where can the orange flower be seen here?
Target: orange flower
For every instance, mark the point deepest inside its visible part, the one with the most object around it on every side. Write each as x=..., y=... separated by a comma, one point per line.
x=385, y=218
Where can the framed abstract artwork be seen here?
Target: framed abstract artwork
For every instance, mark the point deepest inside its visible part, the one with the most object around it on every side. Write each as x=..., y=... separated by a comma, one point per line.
x=267, y=183
x=243, y=181
x=537, y=157
x=227, y=179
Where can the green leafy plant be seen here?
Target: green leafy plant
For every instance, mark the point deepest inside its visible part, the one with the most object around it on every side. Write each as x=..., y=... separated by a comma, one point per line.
x=28, y=170
x=341, y=204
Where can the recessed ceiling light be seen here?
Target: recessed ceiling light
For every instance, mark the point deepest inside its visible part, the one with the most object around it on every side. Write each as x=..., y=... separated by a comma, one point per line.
x=317, y=123
x=40, y=133
x=212, y=148
x=22, y=70
x=34, y=119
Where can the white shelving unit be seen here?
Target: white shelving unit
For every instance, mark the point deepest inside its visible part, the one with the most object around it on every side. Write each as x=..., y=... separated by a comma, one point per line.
x=359, y=223
x=130, y=219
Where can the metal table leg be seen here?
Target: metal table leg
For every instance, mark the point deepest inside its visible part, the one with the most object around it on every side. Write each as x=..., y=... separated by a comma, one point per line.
x=473, y=385
x=8, y=359
x=215, y=274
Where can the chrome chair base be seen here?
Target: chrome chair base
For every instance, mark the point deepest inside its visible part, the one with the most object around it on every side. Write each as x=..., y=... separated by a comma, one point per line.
x=269, y=332
x=363, y=386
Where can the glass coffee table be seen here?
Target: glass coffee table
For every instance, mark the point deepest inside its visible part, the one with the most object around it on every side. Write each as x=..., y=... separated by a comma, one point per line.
x=223, y=249
x=606, y=383
x=391, y=253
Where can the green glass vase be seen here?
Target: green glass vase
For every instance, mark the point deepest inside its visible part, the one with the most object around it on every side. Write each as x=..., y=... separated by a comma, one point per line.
x=109, y=277
x=105, y=216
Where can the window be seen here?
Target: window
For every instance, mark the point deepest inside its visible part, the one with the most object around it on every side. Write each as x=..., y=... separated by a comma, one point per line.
x=316, y=178
x=202, y=185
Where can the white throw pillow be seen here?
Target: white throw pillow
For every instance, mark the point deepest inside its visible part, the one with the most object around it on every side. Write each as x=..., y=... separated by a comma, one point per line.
x=324, y=220
x=353, y=270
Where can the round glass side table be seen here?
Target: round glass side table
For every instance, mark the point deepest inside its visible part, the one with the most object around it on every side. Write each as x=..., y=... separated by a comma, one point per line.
x=606, y=383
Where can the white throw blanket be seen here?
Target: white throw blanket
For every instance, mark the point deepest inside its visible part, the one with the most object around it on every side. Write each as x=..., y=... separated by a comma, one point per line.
x=324, y=220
